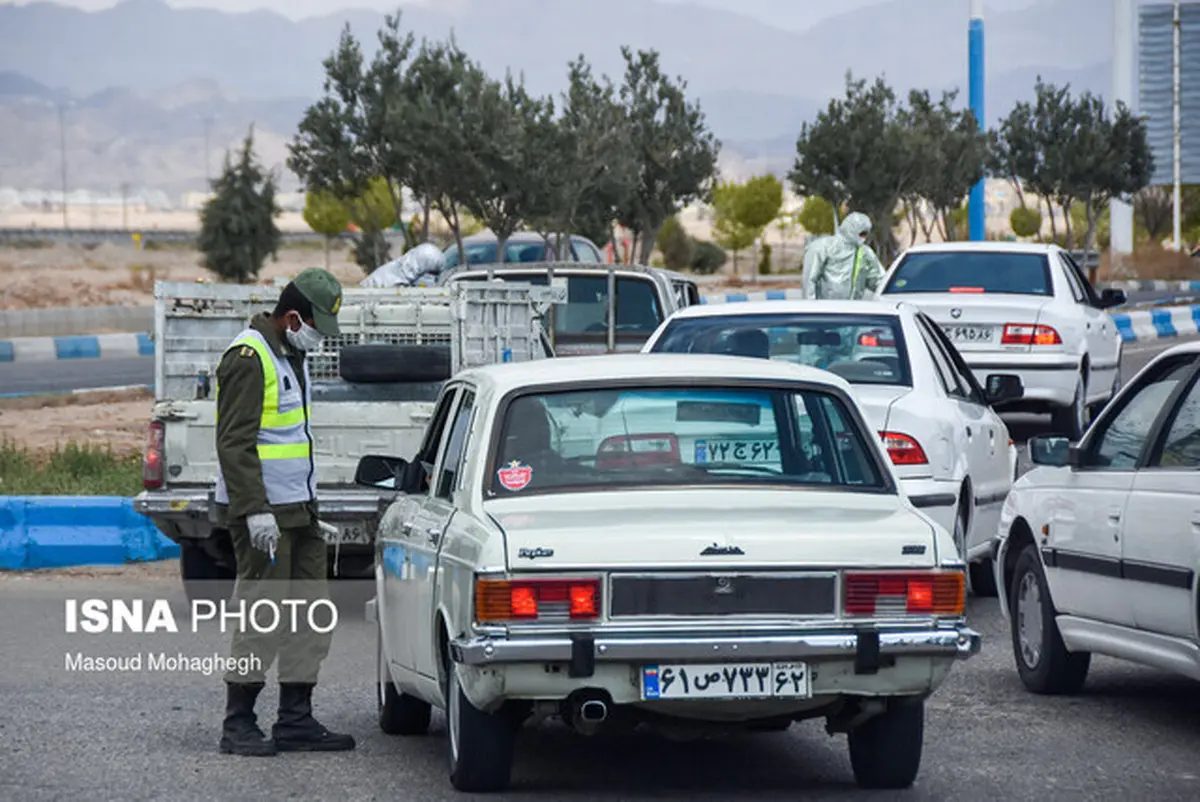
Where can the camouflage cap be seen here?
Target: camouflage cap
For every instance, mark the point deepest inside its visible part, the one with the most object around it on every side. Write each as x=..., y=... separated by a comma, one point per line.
x=324, y=292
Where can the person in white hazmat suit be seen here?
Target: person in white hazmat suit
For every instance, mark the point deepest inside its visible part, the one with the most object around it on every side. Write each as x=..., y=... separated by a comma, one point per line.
x=842, y=266
x=420, y=267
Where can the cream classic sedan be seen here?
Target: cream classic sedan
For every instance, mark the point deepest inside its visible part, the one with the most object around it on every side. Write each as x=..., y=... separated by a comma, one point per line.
x=601, y=540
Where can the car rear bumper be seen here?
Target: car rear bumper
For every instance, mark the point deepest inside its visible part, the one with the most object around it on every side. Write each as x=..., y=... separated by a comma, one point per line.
x=582, y=652
x=1049, y=379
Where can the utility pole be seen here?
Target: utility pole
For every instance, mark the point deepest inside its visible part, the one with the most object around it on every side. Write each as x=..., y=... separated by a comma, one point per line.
x=124, y=207
x=977, y=204
x=208, y=121
x=1124, y=28
x=62, y=140
x=1178, y=204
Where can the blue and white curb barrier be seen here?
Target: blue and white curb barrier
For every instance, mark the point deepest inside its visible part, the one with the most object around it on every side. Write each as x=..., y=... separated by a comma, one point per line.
x=1158, y=324
x=61, y=531
x=84, y=346
x=1153, y=286
x=762, y=295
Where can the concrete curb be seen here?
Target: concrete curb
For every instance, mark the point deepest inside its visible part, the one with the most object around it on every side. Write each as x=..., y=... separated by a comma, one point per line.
x=61, y=531
x=1158, y=286
x=762, y=295
x=121, y=388
x=1158, y=324
x=93, y=346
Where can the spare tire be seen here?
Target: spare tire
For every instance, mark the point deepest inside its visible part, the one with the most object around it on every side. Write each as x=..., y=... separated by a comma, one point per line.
x=379, y=363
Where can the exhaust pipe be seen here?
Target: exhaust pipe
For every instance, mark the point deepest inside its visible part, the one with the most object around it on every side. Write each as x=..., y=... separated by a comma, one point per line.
x=586, y=711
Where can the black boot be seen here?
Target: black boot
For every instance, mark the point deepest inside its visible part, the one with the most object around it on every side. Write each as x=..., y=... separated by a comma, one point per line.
x=240, y=734
x=297, y=730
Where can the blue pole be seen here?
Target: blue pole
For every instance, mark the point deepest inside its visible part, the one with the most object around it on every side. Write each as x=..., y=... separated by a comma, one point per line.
x=976, y=211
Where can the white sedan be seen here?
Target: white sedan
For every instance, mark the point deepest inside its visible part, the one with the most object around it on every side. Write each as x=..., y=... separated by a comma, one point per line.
x=1024, y=309
x=951, y=450
x=1101, y=541
x=519, y=577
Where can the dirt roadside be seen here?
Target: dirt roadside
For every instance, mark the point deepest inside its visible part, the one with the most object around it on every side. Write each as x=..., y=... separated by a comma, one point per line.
x=41, y=423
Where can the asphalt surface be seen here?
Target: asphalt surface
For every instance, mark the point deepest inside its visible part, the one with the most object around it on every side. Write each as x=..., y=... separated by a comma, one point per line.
x=61, y=375
x=1132, y=734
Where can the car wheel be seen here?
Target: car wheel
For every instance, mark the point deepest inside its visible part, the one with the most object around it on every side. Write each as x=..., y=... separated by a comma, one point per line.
x=399, y=713
x=1099, y=407
x=480, y=744
x=885, y=751
x=204, y=578
x=1071, y=422
x=983, y=579
x=960, y=528
x=1043, y=662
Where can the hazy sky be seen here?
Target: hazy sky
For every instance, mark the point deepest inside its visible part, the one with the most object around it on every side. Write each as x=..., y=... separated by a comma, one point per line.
x=793, y=14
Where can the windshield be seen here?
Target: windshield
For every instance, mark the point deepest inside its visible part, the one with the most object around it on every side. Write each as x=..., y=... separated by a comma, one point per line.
x=862, y=349
x=967, y=272
x=653, y=436
x=482, y=253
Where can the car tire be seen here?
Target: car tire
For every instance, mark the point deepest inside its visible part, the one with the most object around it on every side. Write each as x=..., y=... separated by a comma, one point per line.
x=1071, y=422
x=1100, y=406
x=204, y=578
x=983, y=579
x=380, y=363
x=399, y=713
x=885, y=751
x=1043, y=662
x=960, y=526
x=480, y=745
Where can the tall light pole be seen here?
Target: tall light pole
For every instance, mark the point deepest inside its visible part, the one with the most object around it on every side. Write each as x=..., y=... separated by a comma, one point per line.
x=1178, y=204
x=208, y=121
x=62, y=141
x=977, y=210
x=1124, y=27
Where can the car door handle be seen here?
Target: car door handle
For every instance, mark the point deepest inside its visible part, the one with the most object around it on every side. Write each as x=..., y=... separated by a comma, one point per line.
x=406, y=528
x=1114, y=517
x=968, y=431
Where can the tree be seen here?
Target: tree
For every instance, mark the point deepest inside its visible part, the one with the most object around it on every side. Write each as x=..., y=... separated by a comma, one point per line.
x=859, y=153
x=1013, y=149
x=237, y=224
x=1155, y=208
x=372, y=213
x=953, y=154
x=587, y=160
x=498, y=187
x=816, y=216
x=708, y=259
x=743, y=211
x=326, y=215
x=675, y=153
x=677, y=246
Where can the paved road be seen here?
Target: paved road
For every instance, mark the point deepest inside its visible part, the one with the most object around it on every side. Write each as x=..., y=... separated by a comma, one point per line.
x=61, y=375
x=1133, y=734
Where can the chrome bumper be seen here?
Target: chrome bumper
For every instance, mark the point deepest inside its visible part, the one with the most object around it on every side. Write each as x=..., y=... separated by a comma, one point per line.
x=867, y=646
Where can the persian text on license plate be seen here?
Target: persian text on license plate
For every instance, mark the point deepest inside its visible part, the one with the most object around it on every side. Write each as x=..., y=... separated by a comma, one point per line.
x=970, y=334
x=726, y=681
x=736, y=451
x=350, y=534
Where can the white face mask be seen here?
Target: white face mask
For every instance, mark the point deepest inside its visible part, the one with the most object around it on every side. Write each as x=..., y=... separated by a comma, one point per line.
x=306, y=339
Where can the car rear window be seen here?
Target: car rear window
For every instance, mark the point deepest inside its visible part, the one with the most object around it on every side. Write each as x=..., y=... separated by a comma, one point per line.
x=603, y=438
x=862, y=349
x=972, y=272
x=485, y=253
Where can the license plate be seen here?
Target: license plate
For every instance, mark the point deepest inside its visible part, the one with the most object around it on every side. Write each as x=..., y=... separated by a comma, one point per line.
x=351, y=534
x=726, y=681
x=969, y=334
x=737, y=451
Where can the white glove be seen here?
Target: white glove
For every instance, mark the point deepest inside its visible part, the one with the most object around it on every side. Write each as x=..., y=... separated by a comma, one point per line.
x=264, y=532
x=329, y=529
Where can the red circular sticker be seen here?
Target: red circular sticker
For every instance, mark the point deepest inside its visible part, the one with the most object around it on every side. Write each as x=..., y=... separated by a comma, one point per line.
x=515, y=476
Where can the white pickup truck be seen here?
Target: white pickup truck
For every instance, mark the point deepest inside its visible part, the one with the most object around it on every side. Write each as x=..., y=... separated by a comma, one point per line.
x=374, y=388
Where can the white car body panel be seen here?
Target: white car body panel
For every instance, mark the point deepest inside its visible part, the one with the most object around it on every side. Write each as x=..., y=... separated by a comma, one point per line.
x=964, y=441
x=1120, y=544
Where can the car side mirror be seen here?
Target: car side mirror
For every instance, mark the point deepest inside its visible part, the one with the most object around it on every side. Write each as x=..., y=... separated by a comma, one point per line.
x=1052, y=452
x=1110, y=298
x=1003, y=387
x=380, y=473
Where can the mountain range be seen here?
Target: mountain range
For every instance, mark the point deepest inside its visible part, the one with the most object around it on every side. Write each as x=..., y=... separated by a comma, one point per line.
x=137, y=82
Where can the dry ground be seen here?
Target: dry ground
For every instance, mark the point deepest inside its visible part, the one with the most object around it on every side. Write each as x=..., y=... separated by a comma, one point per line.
x=118, y=419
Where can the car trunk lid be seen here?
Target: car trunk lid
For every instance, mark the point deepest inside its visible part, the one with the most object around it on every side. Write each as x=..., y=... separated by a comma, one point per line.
x=976, y=321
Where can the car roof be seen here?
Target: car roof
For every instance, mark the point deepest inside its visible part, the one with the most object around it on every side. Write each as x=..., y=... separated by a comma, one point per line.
x=1192, y=347
x=506, y=377
x=805, y=307
x=982, y=247
x=516, y=236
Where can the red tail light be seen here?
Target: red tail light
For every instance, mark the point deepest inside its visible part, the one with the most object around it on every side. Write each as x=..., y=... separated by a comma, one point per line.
x=876, y=339
x=972, y=290
x=1029, y=334
x=637, y=451
x=903, y=450
x=152, y=459
x=537, y=600
x=885, y=594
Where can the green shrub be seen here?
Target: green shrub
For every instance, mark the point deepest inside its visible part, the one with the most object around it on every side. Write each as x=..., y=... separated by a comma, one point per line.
x=709, y=258
x=678, y=248
x=70, y=470
x=764, y=260
x=1025, y=222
